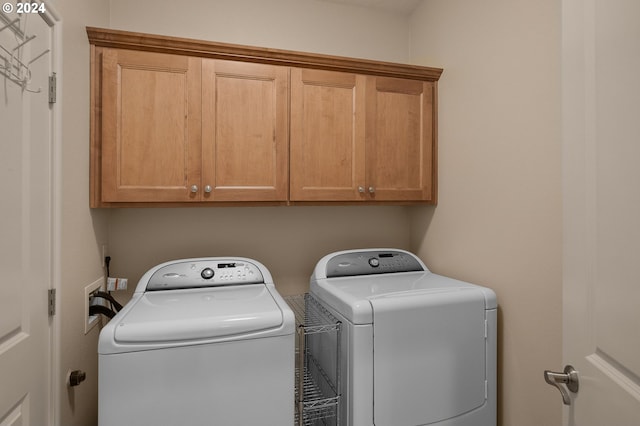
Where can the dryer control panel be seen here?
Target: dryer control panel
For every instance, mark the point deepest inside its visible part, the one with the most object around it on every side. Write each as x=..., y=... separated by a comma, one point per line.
x=371, y=262
x=204, y=273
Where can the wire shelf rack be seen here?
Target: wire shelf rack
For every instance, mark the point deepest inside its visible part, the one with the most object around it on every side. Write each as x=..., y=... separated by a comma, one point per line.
x=317, y=363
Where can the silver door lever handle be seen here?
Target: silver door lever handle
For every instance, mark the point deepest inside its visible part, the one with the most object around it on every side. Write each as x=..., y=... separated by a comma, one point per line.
x=568, y=378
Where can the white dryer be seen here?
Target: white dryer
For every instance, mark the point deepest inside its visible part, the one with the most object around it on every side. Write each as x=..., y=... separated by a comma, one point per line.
x=417, y=348
x=205, y=341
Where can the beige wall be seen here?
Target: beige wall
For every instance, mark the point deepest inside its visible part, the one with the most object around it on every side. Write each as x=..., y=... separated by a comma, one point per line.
x=498, y=221
x=83, y=230
x=288, y=240
x=306, y=25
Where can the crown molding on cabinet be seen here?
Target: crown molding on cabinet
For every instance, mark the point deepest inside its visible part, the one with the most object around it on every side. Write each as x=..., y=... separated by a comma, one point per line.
x=209, y=49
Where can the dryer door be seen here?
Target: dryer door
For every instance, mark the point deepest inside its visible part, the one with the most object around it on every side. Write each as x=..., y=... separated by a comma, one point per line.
x=429, y=356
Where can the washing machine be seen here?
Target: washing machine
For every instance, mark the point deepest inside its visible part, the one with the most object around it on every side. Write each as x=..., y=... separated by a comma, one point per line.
x=417, y=348
x=205, y=341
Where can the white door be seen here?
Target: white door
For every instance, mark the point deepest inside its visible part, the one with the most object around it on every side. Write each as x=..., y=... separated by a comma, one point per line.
x=601, y=116
x=26, y=141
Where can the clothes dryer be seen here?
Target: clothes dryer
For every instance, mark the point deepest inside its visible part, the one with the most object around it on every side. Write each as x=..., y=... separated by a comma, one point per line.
x=417, y=348
x=205, y=341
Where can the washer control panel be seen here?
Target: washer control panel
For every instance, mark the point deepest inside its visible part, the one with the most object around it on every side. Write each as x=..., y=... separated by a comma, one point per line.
x=371, y=262
x=204, y=273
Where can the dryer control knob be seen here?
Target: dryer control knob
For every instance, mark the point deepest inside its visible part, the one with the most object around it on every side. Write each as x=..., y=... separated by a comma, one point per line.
x=207, y=273
x=374, y=262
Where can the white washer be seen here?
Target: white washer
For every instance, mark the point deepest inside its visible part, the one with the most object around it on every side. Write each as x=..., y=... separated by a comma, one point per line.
x=205, y=341
x=417, y=348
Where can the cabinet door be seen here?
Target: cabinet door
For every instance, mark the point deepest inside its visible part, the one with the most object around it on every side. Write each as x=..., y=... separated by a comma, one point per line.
x=400, y=140
x=244, y=131
x=151, y=109
x=327, y=136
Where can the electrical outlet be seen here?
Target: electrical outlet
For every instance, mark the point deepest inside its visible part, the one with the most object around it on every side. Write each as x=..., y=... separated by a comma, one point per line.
x=92, y=320
x=114, y=284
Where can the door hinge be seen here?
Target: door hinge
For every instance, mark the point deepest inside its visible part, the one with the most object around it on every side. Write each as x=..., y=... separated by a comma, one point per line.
x=52, y=88
x=52, y=301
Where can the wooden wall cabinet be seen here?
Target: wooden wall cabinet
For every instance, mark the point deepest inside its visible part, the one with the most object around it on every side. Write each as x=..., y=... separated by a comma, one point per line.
x=185, y=129
x=181, y=122
x=400, y=140
x=245, y=133
x=327, y=136
x=361, y=138
x=151, y=109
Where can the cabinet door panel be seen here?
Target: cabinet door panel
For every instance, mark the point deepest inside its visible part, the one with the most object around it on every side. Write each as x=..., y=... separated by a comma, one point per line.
x=400, y=139
x=327, y=135
x=245, y=131
x=150, y=126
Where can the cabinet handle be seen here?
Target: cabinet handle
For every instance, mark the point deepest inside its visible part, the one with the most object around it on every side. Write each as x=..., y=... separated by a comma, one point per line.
x=371, y=190
x=361, y=189
x=194, y=188
x=208, y=189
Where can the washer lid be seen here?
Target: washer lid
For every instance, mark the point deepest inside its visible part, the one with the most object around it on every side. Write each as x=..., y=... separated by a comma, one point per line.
x=179, y=315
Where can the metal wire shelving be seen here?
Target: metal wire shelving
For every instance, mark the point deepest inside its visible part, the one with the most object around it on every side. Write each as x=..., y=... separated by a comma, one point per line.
x=317, y=363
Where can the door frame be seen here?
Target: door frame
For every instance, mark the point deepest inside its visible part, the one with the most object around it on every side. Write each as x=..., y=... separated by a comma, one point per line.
x=52, y=17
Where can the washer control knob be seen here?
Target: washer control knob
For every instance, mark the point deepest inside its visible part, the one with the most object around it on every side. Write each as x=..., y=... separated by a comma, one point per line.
x=374, y=262
x=207, y=273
